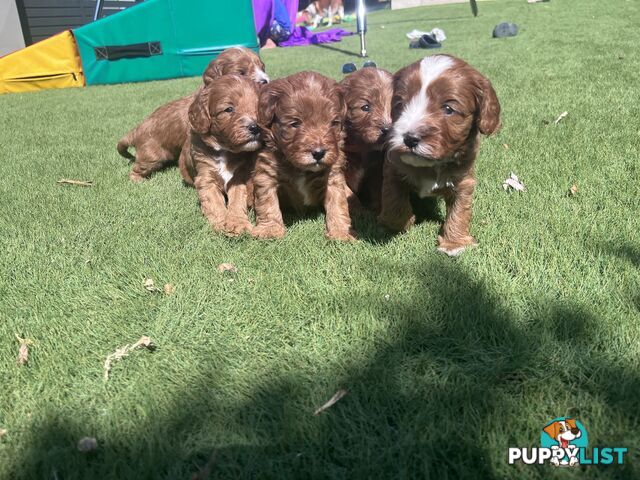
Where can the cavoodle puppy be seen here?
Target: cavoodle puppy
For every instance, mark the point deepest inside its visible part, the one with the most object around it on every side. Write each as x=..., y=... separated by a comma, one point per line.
x=368, y=95
x=219, y=154
x=441, y=106
x=159, y=138
x=302, y=164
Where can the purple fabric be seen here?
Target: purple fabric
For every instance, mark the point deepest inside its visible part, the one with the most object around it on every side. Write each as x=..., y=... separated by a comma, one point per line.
x=264, y=12
x=303, y=36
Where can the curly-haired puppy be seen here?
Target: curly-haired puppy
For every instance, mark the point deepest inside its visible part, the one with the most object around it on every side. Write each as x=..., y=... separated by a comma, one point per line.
x=441, y=105
x=302, y=164
x=159, y=138
x=368, y=94
x=219, y=154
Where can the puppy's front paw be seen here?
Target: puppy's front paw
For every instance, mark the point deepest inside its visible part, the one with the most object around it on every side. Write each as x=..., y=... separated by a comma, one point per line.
x=266, y=231
x=396, y=224
x=341, y=235
x=235, y=226
x=455, y=248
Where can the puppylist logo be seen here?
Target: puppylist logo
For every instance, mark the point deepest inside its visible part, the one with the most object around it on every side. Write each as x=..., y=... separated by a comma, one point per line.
x=564, y=443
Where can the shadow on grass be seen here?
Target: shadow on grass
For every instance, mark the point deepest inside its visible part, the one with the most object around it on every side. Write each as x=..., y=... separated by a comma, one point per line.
x=453, y=374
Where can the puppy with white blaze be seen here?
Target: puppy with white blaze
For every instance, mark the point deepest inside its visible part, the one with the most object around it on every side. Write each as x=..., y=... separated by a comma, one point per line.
x=441, y=106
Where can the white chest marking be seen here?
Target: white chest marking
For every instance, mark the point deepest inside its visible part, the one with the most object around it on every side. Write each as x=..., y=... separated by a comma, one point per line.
x=303, y=188
x=223, y=170
x=426, y=186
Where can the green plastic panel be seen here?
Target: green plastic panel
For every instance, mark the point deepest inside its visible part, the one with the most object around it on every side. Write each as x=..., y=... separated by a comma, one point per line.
x=190, y=32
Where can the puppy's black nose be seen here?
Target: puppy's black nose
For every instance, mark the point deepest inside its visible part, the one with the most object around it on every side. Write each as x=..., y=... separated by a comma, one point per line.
x=575, y=431
x=254, y=129
x=384, y=131
x=411, y=141
x=318, y=154
x=263, y=82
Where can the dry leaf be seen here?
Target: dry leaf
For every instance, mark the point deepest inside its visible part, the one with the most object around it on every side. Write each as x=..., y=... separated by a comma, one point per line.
x=23, y=350
x=168, y=289
x=573, y=190
x=3, y=432
x=144, y=342
x=150, y=286
x=560, y=117
x=227, y=267
x=514, y=183
x=79, y=183
x=332, y=401
x=87, y=444
x=506, y=147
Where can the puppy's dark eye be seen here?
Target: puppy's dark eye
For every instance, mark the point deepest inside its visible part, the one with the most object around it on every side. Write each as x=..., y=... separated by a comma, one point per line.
x=448, y=110
x=336, y=123
x=243, y=72
x=229, y=109
x=365, y=108
x=295, y=124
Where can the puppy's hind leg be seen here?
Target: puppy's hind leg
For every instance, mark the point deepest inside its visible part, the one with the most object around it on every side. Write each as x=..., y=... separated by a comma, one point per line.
x=150, y=159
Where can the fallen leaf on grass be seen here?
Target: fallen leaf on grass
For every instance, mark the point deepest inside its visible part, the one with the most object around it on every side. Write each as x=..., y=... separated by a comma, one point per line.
x=513, y=182
x=227, y=267
x=87, y=444
x=560, y=117
x=79, y=183
x=168, y=289
x=144, y=342
x=573, y=190
x=3, y=432
x=332, y=401
x=23, y=351
x=150, y=286
x=506, y=147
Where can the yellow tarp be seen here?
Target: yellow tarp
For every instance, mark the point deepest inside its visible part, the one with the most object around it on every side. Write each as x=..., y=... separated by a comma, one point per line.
x=51, y=63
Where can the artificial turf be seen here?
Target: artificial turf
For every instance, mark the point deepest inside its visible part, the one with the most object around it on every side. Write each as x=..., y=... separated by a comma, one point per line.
x=447, y=362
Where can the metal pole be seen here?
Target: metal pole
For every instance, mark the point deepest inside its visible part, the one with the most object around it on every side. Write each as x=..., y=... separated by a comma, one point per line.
x=98, y=11
x=361, y=20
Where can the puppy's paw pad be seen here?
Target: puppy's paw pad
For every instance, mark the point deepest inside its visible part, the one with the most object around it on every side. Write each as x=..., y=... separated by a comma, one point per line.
x=268, y=231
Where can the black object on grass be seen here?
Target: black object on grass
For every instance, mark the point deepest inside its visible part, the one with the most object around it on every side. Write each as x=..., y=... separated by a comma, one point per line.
x=474, y=8
x=505, y=29
x=426, y=41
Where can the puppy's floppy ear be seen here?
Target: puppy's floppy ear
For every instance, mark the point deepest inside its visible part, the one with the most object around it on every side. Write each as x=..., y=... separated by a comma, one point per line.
x=199, y=117
x=214, y=70
x=488, y=115
x=269, y=96
x=552, y=430
x=340, y=95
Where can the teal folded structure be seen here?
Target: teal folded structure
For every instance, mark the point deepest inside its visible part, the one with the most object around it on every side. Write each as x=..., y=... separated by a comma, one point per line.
x=159, y=39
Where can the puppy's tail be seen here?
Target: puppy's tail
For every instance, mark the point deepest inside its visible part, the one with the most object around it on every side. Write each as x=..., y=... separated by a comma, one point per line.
x=123, y=146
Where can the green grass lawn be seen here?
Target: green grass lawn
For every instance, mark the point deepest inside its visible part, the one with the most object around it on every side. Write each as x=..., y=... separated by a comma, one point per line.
x=448, y=362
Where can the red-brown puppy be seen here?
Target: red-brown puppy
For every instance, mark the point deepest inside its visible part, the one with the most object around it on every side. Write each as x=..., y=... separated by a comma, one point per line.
x=368, y=94
x=159, y=138
x=441, y=105
x=219, y=154
x=302, y=164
